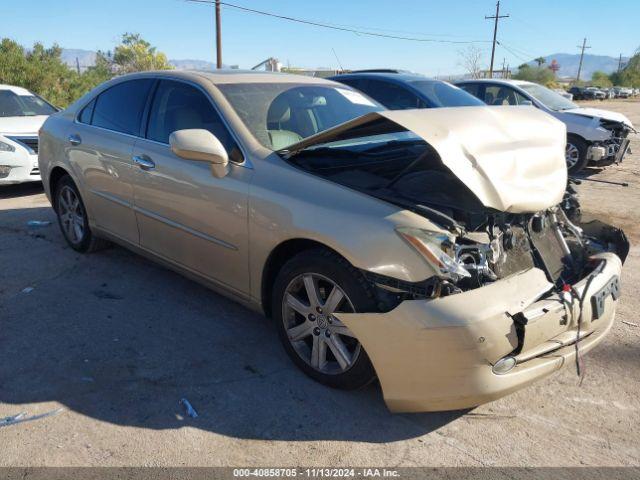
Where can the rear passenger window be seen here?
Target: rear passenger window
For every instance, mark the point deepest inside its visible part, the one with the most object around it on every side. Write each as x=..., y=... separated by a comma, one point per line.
x=120, y=108
x=178, y=106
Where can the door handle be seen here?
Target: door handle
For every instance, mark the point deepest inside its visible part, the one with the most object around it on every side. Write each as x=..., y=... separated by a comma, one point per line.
x=74, y=139
x=144, y=162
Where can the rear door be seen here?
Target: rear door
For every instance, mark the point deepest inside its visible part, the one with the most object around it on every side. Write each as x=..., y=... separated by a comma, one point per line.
x=100, y=144
x=184, y=213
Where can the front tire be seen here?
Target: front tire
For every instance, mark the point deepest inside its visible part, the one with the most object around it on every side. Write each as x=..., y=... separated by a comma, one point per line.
x=309, y=289
x=576, y=154
x=73, y=219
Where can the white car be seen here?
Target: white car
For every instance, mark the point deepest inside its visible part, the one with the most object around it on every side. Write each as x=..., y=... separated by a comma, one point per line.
x=593, y=135
x=22, y=113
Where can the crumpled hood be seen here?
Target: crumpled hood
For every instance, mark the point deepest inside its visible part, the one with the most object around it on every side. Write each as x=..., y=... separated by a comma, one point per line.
x=596, y=112
x=21, y=125
x=511, y=158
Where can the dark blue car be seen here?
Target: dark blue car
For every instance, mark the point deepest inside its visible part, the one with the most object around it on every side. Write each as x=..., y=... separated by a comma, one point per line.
x=399, y=90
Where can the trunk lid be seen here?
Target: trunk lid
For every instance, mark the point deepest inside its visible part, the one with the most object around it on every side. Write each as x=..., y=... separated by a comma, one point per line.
x=511, y=158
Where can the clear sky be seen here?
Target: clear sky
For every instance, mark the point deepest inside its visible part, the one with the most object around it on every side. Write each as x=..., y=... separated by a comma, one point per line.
x=186, y=31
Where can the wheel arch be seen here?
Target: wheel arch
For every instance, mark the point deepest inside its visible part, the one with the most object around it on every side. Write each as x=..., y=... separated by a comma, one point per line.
x=282, y=253
x=578, y=136
x=54, y=177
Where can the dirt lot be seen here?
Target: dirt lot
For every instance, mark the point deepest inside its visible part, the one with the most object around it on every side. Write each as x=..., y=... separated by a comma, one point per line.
x=117, y=341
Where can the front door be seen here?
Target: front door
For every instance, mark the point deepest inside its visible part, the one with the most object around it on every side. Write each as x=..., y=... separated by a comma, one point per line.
x=184, y=213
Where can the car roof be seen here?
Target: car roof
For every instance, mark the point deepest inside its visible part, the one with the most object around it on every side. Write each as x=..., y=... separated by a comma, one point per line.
x=232, y=76
x=497, y=81
x=16, y=90
x=399, y=76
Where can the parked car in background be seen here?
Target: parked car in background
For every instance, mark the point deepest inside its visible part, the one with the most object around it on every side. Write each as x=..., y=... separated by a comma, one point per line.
x=22, y=113
x=621, y=92
x=585, y=93
x=597, y=93
x=562, y=92
x=398, y=90
x=593, y=135
x=609, y=93
x=424, y=246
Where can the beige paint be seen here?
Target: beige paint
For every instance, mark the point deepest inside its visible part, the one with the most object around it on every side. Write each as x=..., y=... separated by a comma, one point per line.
x=511, y=158
x=221, y=231
x=437, y=355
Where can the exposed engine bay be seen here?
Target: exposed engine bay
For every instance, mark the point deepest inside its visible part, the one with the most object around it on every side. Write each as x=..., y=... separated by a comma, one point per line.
x=616, y=147
x=482, y=245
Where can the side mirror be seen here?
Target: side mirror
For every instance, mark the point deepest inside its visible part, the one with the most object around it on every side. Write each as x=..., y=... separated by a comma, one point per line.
x=203, y=146
x=527, y=103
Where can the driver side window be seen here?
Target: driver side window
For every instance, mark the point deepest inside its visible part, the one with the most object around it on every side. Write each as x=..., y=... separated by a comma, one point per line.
x=179, y=106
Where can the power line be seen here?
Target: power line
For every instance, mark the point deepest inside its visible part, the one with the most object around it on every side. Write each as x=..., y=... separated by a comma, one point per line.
x=336, y=27
x=519, y=50
x=512, y=52
x=495, y=17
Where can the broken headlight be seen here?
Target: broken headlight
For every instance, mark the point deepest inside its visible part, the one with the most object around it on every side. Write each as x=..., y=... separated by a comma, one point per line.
x=437, y=249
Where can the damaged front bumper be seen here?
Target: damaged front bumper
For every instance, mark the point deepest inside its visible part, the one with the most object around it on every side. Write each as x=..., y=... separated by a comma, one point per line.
x=439, y=354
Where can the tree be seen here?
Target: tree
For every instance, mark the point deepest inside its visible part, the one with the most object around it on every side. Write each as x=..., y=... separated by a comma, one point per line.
x=42, y=70
x=471, y=61
x=135, y=54
x=540, y=75
x=601, y=79
x=629, y=76
x=540, y=61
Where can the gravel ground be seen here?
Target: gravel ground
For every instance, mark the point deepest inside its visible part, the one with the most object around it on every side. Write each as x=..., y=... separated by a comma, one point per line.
x=117, y=341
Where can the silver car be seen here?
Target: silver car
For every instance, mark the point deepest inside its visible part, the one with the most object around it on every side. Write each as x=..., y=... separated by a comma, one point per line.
x=593, y=135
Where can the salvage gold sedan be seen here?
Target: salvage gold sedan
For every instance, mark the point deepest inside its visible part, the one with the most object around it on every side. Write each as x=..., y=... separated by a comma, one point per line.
x=427, y=248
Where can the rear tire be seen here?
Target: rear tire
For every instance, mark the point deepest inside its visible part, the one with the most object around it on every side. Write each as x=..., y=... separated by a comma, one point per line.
x=73, y=219
x=307, y=328
x=576, y=154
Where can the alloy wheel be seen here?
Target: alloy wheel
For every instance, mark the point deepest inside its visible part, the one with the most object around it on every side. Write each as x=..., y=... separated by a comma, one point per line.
x=572, y=155
x=71, y=215
x=318, y=337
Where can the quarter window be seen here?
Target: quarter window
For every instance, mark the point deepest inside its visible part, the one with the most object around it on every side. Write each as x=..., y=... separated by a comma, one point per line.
x=178, y=106
x=472, y=88
x=87, y=113
x=120, y=108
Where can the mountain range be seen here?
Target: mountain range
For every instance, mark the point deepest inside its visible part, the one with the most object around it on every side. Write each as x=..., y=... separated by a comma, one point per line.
x=87, y=58
x=568, y=62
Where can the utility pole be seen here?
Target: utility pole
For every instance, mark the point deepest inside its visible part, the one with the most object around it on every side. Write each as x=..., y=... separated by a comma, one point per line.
x=620, y=63
x=78, y=65
x=218, y=37
x=495, y=33
x=583, y=47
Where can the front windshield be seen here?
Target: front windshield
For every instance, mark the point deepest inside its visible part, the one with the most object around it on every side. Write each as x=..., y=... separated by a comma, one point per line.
x=547, y=97
x=13, y=105
x=443, y=94
x=281, y=114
